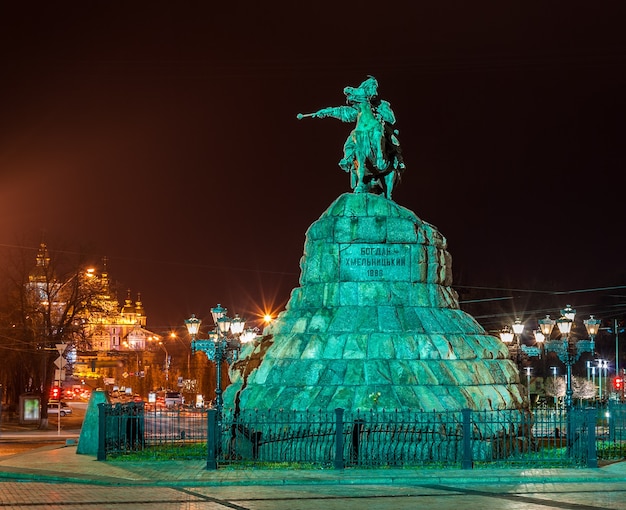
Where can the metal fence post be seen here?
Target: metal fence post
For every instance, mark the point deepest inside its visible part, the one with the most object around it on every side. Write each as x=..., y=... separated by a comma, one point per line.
x=612, y=421
x=211, y=439
x=467, y=462
x=102, y=454
x=339, y=460
x=592, y=454
x=357, y=431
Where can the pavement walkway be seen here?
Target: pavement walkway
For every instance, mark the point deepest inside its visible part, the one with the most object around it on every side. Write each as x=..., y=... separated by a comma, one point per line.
x=60, y=463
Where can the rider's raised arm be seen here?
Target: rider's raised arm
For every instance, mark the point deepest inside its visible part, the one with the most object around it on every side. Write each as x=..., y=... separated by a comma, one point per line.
x=343, y=113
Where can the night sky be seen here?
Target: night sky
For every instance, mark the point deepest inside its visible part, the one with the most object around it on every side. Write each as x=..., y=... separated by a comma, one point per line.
x=163, y=135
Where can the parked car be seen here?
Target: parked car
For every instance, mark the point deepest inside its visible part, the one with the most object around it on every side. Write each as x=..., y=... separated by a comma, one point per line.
x=53, y=408
x=173, y=399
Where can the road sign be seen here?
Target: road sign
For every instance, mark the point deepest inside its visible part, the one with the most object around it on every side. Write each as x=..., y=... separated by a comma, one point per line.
x=61, y=348
x=60, y=362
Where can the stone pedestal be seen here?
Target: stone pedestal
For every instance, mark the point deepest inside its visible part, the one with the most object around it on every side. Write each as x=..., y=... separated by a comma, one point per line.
x=88, y=440
x=374, y=324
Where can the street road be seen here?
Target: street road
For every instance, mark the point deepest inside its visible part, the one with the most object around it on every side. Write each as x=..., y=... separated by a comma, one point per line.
x=15, y=439
x=13, y=448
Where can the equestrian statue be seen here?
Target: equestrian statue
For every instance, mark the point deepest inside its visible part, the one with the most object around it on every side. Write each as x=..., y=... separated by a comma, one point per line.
x=371, y=154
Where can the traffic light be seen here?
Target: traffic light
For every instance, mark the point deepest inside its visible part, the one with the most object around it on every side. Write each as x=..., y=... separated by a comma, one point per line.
x=55, y=392
x=618, y=383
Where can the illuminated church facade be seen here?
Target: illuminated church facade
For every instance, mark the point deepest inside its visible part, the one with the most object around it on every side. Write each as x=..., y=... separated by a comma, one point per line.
x=107, y=326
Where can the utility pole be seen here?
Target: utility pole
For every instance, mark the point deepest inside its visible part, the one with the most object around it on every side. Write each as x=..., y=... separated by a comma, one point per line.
x=616, y=325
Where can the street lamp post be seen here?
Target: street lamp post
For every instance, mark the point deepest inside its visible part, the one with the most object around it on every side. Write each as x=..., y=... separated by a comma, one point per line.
x=528, y=371
x=223, y=344
x=603, y=366
x=174, y=336
x=565, y=326
x=568, y=352
x=518, y=329
x=593, y=378
x=538, y=349
x=617, y=332
x=167, y=365
x=555, y=396
x=511, y=336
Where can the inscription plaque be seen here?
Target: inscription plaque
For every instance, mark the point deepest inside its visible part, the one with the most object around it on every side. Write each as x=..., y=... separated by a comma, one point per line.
x=374, y=262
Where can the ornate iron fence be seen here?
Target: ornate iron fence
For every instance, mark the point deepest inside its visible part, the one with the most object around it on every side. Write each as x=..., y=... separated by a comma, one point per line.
x=611, y=431
x=131, y=427
x=466, y=439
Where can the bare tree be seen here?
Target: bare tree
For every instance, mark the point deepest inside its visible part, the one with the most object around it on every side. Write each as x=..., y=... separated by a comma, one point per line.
x=554, y=386
x=583, y=388
x=46, y=305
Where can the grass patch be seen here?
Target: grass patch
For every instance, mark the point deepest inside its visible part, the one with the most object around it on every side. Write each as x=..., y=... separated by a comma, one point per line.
x=555, y=457
x=187, y=451
x=611, y=451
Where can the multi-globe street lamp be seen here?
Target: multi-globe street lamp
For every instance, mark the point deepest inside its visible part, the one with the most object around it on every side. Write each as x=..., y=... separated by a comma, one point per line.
x=567, y=351
x=223, y=344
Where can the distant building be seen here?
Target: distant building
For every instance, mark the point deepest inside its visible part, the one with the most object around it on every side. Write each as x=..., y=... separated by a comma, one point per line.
x=43, y=285
x=108, y=333
x=121, y=331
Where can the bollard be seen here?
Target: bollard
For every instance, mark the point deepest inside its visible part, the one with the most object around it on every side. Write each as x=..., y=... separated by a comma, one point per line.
x=211, y=439
x=102, y=454
x=467, y=462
